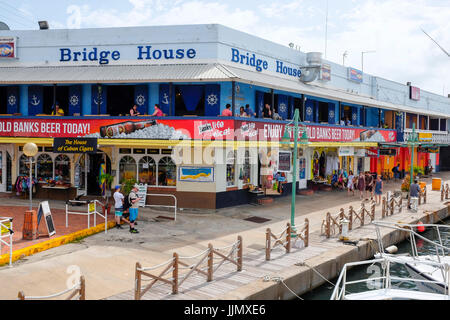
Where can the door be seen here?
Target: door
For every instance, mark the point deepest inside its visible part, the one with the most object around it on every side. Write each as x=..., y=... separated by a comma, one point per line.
x=94, y=163
x=5, y=170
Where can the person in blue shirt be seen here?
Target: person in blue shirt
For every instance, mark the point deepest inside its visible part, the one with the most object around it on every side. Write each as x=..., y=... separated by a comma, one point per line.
x=249, y=111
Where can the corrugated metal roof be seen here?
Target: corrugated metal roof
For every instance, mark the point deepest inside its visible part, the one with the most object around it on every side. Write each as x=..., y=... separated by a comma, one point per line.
x=104, y=74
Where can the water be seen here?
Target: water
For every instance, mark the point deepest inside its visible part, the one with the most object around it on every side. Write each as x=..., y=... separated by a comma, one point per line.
x=363, y=272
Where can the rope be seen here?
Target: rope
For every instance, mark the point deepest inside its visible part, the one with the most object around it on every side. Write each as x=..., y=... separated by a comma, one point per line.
x=280, y=280
x=158, y=266
x=196, y=256
x=231, y=245
x=76, y=287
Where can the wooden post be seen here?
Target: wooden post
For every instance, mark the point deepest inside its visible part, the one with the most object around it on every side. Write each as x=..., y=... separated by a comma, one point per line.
x=240, y=254
x=383, y=208
x=442, y=193
x=446, y=191
x=327, y=226
x=175, y=274
x=362, y=213
x=82, y=288
x=372, y=212
x=210, y=262
x=288, y=238
x=306, y=232
x=21, y=295
x=400, y=205
x=341, y=216
x=137, y=282
x=350, y=217
x=268, y=244
x=425, y=196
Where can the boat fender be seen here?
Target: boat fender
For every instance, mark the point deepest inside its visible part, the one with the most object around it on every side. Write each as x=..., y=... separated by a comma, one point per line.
x=391, y=249
x=420, y=228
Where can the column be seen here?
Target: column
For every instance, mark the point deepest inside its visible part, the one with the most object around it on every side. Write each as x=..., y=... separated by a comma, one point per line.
x=23, y=100
x=86, y=96
x=153, y=96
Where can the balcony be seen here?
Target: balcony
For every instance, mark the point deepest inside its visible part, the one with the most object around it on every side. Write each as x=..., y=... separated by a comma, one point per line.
x=437, y=137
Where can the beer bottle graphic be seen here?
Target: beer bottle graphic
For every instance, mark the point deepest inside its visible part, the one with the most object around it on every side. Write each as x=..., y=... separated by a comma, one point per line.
x=367, y=134
x=124, y=127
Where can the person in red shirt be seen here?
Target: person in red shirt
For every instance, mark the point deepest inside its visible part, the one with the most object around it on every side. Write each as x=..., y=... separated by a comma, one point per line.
x=158, y=112
x=227, y=111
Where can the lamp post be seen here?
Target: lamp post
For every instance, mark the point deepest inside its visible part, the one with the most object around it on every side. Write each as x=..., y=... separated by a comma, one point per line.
x=286, y=142
x=413, y=140
x=30, y=150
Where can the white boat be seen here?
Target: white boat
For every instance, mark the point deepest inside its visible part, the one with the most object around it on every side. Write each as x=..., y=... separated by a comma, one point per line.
x=384, y=286
x=414, y=262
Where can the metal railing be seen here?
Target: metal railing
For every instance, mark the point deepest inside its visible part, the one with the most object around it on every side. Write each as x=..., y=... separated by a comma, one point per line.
x=232, y=253
x=164, y=206
x=91, y=210
x=6, y=227
x=79, y=288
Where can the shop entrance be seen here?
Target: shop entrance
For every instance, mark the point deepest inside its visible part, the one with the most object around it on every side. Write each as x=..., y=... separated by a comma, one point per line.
x=87, y=173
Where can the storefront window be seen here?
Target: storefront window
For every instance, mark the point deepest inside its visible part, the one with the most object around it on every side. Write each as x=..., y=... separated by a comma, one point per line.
x=127, y=169
x=44, y=167
x=147, y=171
x=62, y=168
x=231, y=167
x=24, y=166
x=246, y=168
x=167, y=172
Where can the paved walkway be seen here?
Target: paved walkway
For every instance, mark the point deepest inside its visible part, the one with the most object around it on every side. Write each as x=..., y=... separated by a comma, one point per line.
x=108, y=261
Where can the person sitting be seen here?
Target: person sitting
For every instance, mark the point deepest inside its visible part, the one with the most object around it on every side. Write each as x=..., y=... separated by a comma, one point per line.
x=342, y=123
x=267, y=113
x=341, y=182
x=158, y=112
x=249, y=111
x=242, y=113
x=347, y=121
x=334, y=180
x=227, y=111
x=57, y=111
x=134, y=111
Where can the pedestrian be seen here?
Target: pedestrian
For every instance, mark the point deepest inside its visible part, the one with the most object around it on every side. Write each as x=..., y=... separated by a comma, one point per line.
x=414, y=191
x=57, y=111
x=134, y=111
x=118, y=205
x=369, y=184
x=158, y=112
x=249, y=111
x=134, y=202
x=378, y=189
x=361, y=184
x=350, y=185
x=396, y=171
x=227, y=111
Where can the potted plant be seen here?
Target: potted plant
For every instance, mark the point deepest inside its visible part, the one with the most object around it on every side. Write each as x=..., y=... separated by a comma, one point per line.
x=127, y=185
x=108, y=180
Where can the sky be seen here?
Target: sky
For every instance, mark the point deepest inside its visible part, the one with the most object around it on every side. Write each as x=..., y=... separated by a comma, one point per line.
x=390, y=28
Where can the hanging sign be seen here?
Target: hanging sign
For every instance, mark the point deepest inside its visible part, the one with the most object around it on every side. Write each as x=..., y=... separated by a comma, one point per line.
x=428, y=149
x=346, y=151
x=75, y=145
x=8, y=47
x=372, y=153
x=388, y=152
x=44, y=211
x=425, y=136
x=284, y=161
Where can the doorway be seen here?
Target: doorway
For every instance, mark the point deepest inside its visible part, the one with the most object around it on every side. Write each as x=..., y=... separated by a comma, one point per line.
x=5, y=171
x=3, y=100
x=120, y=100
x=88, y=184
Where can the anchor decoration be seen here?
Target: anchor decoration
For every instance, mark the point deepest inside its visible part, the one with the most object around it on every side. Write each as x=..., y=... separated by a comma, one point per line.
x=35, y=101
x=96, y=102
x=212, y=99
x=74, y=100
x=140, y=100
x=165, y=99
x=12, y=100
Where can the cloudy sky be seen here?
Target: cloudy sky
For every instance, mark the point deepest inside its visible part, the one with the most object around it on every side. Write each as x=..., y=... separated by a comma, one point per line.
x=392, y=28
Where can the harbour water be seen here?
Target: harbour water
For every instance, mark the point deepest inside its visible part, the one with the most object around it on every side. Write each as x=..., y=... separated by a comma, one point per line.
x=363, y=272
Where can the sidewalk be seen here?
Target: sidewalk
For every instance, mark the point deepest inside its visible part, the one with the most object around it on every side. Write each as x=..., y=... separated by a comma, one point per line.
x=108, y=261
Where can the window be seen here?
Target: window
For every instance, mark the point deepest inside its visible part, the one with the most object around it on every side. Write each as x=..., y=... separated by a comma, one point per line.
x=167, y=172
x=62, y=168
x=24, y=166
x=44, y=167
x=127, y=169
x=246, y=168
x=231, y=168
x=147, y=171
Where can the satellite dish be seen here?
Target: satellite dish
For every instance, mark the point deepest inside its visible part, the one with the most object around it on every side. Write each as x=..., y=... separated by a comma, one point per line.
x=3, y=26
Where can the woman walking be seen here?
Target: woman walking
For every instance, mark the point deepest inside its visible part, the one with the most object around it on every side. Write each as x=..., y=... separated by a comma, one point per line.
x=350, y=184
x=361, y=184
x=378, y=189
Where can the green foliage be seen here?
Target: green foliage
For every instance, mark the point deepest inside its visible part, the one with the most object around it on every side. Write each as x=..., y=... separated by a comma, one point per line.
x=108, y=179
x=127, y=185
x=418, y=171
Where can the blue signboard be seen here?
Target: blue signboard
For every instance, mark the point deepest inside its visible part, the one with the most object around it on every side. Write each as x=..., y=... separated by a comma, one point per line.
x=12, y=102
x=35, y=100
x=141, y=98
x=355, y=75
x=212, y=100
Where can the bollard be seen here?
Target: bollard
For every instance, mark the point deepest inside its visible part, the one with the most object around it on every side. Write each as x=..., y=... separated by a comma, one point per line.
x=138, y=282
x=288, y=238
x=175, y=274
x=268, y=244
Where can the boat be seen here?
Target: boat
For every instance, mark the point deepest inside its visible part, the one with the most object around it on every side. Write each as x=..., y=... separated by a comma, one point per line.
x=381, y=285
x=414, y=262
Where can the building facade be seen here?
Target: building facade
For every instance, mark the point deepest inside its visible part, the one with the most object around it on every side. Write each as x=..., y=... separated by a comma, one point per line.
x=354, y=121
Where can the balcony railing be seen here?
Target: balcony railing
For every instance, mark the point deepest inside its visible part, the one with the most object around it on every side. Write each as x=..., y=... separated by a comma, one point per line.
x=440, y=137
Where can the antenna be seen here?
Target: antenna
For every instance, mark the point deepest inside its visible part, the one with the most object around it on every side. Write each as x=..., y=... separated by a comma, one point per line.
x=435, y=42
x=326, y=31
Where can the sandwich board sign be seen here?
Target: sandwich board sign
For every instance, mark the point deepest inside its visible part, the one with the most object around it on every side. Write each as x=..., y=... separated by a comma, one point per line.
x=142, y=193
x=44, y=211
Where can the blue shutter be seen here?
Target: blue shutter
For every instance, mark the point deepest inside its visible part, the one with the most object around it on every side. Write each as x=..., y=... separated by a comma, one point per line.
x=12, y=100
x=291, y=108
x=164, y=98
x=283, y=106
x=35, y=97
x=259, y=103
x=102, y=101
x=212, y=100
x=354, y=120
x=141, y=98
x=74, y=100
x=331, y=113
x=316, y=111
x=309, y=110
x=191, y=96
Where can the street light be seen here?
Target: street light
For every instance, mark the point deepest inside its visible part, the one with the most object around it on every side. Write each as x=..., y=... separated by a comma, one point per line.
x=30, y=149
x=412, y=141
x=286, y=142
x=362, y=58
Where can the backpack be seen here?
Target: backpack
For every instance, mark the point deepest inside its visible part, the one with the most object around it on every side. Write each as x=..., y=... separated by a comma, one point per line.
x=126, y=202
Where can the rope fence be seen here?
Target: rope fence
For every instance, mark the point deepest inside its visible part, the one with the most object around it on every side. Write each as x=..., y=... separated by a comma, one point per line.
x=77, y=292
x=284, y=238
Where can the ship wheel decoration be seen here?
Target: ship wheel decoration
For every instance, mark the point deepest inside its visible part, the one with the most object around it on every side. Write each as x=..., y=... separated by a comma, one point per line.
x=12, y=100
x=140, y=100
x=309, y=111
x=212, y=99
x=354, y=117
x=331, y=114
x=283, y=107
x=74, y=100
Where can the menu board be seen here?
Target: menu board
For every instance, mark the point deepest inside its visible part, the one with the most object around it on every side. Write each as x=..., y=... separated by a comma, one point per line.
x=142, y=193
x=284, y=161
x=44, y=211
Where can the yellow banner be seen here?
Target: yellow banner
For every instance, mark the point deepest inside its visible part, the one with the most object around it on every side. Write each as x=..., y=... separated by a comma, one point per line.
x=425, y=136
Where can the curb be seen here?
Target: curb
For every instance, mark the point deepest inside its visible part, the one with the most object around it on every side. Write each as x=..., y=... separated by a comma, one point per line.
x=53, y=243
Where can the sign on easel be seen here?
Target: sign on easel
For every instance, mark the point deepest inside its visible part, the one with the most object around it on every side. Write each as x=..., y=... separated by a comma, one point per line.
x=142, y=193
x=44, y=210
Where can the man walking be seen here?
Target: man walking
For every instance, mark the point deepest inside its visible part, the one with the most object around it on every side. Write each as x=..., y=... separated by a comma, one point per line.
x=118, y=205
x=414, y=191
x=134, y=207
